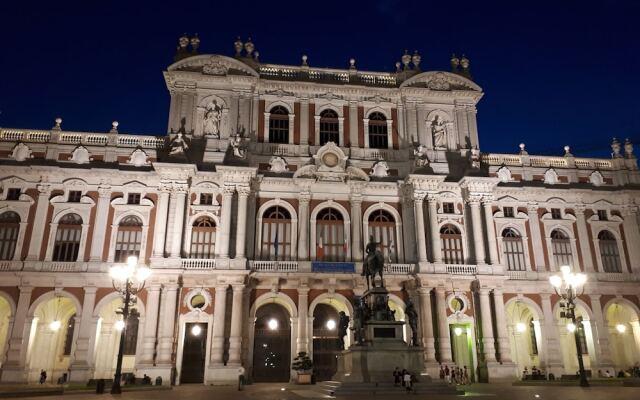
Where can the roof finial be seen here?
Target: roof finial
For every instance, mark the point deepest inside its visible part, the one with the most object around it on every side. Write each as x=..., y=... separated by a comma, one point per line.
x=523, y=152
x=455, y=63
x=237, y=45
x=58, y=122
x=195, y=44
x=304, y=60
x=415, y=59
x=114, y=127
x=406, y=59
x=249, y=47
x=352, y=63
x=567, y=151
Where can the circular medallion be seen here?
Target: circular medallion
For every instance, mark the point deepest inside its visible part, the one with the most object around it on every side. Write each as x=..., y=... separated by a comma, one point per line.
x=330, y=159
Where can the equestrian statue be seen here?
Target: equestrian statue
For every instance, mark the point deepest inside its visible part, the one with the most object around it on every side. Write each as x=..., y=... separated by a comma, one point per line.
x=373, y=264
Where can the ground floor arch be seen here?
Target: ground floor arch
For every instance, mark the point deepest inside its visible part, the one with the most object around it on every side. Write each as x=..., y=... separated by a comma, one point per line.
x=586, y=337
x=463, y=343
x=272, y=344
x=525, y=334
x=624, y=334
x=6, y=314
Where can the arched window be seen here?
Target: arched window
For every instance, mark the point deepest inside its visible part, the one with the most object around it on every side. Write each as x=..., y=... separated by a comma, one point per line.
x=329, y=127
x=279, y=125
x=451, y=240
x=330, y=236
x=67, y=241
x=68, y=339
x=382, y=226
x=9, y=228
x=129, y=239
x=609, y=253
x=378, y=135
x=561, y=248
x=131, y=333
x=203, y=238
x=276, y=234
x=513, y=250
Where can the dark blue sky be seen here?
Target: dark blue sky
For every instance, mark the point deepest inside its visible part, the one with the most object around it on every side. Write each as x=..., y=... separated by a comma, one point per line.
x=554, y=72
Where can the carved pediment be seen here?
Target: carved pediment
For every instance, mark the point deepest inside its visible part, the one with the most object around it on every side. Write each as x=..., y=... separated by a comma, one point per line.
x=21, y=152
x=441, y=81
x=213, y=65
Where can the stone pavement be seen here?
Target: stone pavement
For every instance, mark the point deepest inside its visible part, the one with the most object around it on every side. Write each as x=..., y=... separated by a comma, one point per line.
x=296, y=392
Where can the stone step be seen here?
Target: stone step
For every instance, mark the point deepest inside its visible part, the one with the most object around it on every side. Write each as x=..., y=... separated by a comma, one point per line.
x=388, y=389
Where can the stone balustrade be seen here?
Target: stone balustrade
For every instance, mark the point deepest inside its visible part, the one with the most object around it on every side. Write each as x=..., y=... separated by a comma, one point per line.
x=274, y=266
x=81, y=138
x=399, y=269
x=525, y=160
x=199, y=263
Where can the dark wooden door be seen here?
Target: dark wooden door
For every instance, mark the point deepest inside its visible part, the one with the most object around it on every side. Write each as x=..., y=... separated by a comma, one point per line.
x=194, y=353
x=272, y=355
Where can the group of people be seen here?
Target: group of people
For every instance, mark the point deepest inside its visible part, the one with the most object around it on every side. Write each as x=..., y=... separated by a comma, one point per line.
x=631, y=372
x=455, y=375
x=535, y=374
x=403, y=378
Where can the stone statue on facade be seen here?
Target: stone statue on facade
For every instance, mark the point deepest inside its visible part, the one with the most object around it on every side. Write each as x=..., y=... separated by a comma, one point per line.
x=420, y=155
x=373, y=264
x=212, y=119
x=412, y=317
x=343, y=326
x=360, y=315
x=237, y=145
x=439, y=131
x=381, y=310
x=178, y=145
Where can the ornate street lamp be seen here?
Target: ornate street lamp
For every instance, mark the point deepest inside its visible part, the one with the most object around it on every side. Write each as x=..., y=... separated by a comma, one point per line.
x=567, y=286
x=128, y=280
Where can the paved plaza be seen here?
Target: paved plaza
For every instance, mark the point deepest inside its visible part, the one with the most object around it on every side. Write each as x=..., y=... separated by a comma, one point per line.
x=296, y=392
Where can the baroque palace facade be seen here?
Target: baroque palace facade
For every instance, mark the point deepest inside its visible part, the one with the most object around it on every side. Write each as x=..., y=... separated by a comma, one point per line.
x=253, y=213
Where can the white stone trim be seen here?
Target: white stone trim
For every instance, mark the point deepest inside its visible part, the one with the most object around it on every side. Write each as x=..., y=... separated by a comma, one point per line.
x=294, y=225
x=399, y=245
x=313, y=227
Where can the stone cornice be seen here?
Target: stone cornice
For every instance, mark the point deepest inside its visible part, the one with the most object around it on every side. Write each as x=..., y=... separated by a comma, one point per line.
x=171, y=171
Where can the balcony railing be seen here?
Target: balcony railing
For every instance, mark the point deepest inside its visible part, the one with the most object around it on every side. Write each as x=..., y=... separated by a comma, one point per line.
x=8, y=265
x=199, y=263
x=274, y=266
x=548, y=161
x=84, y=138
x=461, y=269
x=399, y=269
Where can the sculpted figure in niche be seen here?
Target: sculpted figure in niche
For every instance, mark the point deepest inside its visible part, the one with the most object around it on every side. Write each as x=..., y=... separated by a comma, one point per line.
x=439, y=131
x=212, y=119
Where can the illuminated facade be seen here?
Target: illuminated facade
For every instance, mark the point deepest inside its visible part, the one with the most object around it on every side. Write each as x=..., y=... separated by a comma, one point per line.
x=254, y=210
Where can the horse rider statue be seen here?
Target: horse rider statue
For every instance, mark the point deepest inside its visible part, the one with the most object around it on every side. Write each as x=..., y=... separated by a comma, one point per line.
x=373, y=263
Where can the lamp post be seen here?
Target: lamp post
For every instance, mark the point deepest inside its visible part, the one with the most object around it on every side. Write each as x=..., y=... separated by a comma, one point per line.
x=567, y=286
x=128, y=280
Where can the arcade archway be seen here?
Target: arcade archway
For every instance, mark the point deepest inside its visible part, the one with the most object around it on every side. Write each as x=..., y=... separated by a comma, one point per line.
x=272, y=344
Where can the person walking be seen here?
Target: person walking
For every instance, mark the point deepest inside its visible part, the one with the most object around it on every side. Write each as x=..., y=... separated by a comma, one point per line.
x=465, y=376
x=396, y=377
x=402, y=374
x=441, y=372
x=407, y=380
x=43, y=376
x=447, y=374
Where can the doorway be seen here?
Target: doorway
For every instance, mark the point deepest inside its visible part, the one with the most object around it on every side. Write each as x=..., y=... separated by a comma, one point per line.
x=272, y=345
x=326, y=343
x=194, y=353
x=462, y=347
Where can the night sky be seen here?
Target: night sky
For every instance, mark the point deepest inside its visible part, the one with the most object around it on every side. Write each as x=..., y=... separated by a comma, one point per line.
x=554, y=72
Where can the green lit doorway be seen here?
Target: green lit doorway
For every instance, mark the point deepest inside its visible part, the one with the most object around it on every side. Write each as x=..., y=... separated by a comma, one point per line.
x=462, y=347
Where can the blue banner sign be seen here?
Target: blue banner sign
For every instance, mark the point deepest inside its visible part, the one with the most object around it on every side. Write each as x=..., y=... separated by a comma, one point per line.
x=330, y=267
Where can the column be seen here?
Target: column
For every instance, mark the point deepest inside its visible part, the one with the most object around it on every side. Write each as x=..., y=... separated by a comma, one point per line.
x=241, y=231
x=602, y=342
x=100, y=225
x=235, y=334
x=583, y=238
x=444, y=338
x=487, y=328
x=356, y=226
x=421, y=238
x=551, y=350
x=225, y=220
x=14, y=368
x=219, y=311
x=427, y=325
x=167, y=324
x=178, y=221
x=353, y=123
x=476, y=221
x=160, y=224
x=41, y=215
x=303, y=309
x=83, y=355
x=434, y=232
x=491, y=231
x=150, y=325
x=303, y=221
x=536, y=237
x=504, y=348
x=304, y=121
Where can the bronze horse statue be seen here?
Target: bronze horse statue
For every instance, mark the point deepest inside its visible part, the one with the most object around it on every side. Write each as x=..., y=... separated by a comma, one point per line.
x=373, y=264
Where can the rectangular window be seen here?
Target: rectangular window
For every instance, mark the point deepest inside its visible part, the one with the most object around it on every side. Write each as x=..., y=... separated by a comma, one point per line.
x=133, y=198
x=206, y=199
x=74, y=196
x=556, y=213
x=602, y=215
x=508, y=212
x=13, y=194
x=448, y=208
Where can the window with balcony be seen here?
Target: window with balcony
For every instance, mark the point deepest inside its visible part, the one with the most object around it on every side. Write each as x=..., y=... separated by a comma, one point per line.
x=513, y=250
x=203, y=238
x=133, y=198
x=609, y=253
x=378, y=135
x=276, y=234
x=448, y=208
x=556, y=213
x=129, y=238
x=382, y=227
x=74, y=196
x=329, y=127
x=330, y=236
x=67, y=239
x=9, y=229
x=451, y=243
x=13, y=194
x=279, y=125
x=561, y=248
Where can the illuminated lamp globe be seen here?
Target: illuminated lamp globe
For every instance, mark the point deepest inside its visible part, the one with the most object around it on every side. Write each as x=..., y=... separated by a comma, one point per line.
x=272, y=324
x=331, y=324
x=196, y=330
x=555, y=280
x=457, y=331
x=119, y=325
x=55, y=325
x=520, y=327
x=571, y=327
x=621, y=328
